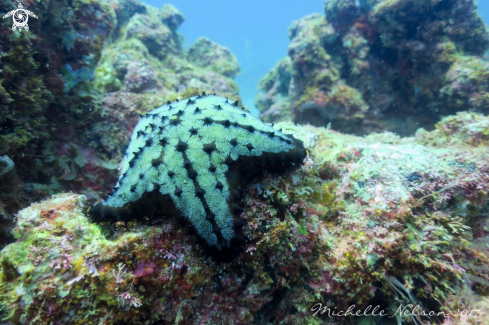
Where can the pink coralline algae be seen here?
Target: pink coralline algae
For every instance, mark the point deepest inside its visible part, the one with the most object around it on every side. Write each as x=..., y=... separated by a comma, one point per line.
x=144, y=269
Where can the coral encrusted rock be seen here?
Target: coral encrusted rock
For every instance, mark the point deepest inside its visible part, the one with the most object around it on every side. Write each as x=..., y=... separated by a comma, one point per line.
x=370, y=66
x=196, y=153
x=207, y=54
x=42, y=72
x=365, y=221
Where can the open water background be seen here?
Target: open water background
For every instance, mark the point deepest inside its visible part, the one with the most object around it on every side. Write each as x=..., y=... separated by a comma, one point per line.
x=256, y=31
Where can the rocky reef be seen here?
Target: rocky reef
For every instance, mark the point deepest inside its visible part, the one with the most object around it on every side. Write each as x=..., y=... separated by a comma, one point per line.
x=205, y=53
x=383, y=220
x=376, y=220
x=41, y=72
x=73, y=86
x=369, y=66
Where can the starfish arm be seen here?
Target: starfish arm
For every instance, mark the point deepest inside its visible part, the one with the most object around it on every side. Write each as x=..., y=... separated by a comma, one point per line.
x=10, y=13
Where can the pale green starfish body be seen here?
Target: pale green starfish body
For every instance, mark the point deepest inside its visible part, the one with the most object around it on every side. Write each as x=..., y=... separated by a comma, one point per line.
x=187, y=150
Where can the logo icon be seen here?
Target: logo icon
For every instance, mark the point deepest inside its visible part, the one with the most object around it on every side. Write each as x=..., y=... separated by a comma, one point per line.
x=20, y=17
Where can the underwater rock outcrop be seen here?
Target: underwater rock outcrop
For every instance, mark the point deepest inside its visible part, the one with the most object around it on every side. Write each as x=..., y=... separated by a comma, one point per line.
x=207, y=54
x=380, y=65
x=43, y=70
x=376, y=220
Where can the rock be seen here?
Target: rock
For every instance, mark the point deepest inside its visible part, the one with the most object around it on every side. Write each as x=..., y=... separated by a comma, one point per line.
x=363, y=217
x=209, y=55
x=371, y=66
x=171, y=16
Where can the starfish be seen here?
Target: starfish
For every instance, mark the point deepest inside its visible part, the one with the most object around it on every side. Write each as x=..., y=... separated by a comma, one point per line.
x=189, y=158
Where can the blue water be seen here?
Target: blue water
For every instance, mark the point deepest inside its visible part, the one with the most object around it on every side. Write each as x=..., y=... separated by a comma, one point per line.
x=484, y=10
x=254, y=30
